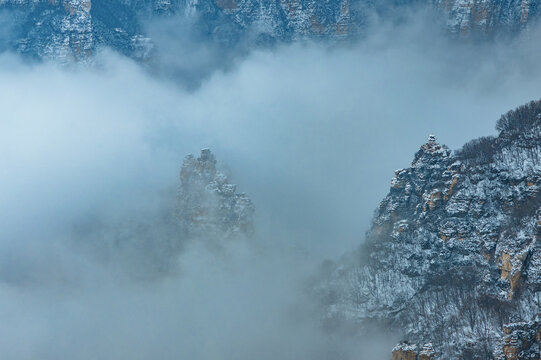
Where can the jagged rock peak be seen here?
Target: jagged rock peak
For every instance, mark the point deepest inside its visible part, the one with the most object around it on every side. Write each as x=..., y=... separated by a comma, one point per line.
x=208, y=205
x=431, y=153
x=196, y=170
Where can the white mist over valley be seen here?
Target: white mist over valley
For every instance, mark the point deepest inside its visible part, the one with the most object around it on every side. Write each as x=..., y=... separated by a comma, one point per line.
x=91, y=266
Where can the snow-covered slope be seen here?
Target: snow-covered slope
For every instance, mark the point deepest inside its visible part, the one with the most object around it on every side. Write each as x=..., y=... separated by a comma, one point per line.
x=453, y=258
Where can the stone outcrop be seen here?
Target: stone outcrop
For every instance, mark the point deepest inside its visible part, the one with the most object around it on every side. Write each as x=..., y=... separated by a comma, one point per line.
x=208, y=204
x=521, y=340
x=427, y=352
x=454, y=250
x=405, y=351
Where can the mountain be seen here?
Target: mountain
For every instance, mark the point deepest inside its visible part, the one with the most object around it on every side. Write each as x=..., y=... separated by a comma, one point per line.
x=208, y=204
x=452, y=260
x=145, y=243
x=68, y=30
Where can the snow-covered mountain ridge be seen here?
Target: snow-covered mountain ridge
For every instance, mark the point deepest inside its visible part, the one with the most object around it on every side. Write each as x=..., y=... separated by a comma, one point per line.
x=452, y=260
x=67, y=30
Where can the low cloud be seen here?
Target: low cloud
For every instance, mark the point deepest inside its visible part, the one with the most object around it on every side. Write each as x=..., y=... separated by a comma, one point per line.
x=312, y=133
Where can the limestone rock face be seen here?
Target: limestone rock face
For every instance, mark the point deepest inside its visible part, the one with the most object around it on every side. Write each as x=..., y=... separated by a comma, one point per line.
x=60, y=30
x=484, y=17
x=68, y=30
x=427, y=352
x=521, y=340
x=405, y=352
x=454, y=250
x=283, y=19
x=71, y=30
x=208, y=205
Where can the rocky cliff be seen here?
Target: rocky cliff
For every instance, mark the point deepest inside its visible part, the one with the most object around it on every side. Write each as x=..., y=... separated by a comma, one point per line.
x=208, y=205
x=466, y=17
x=48, y=29
x=294, y=19
x=67, y=30
x=71, y=30
x=453, y=258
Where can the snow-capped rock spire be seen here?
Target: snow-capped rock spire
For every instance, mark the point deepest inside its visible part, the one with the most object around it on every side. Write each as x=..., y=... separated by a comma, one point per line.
x=431, y=153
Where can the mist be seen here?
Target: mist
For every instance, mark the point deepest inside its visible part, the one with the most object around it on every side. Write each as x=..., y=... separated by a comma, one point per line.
x=311, y=132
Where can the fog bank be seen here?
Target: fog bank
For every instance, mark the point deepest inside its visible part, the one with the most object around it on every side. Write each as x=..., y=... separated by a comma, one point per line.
x=312, y=134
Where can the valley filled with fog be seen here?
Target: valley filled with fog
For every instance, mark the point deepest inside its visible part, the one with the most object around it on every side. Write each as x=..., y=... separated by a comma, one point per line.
x=311, y=132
